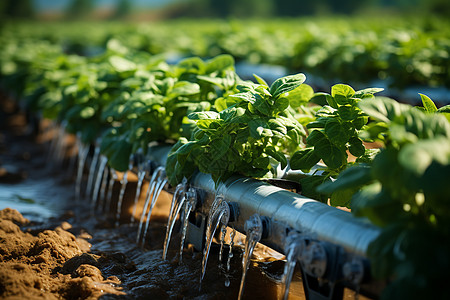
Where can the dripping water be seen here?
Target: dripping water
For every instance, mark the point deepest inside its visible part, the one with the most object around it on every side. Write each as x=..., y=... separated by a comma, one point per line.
x=98, y=179
x=175, y=207
x=104, y=185
x=83, y=151
x=142, y=172
x=123, y=186
x=161, y=182
x=112, y=179
x=150, y=190
x=230, y=256
x=253, y=228
x=219, y=214
x=293, y=247
x=189, y=205
x=92, y=170
x=60, y=145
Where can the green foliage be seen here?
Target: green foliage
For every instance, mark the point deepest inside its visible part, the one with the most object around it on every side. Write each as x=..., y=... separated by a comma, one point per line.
x=249, y=137
x=334, y=134
x=405, y=191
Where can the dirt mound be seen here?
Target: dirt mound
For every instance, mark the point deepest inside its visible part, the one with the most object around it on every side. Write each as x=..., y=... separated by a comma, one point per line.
x=49, y=265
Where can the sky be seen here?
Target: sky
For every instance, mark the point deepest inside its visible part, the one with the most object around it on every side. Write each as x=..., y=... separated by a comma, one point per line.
x=43, y=5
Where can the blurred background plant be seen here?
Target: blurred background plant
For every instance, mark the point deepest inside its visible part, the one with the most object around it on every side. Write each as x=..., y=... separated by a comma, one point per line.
x=166, y=9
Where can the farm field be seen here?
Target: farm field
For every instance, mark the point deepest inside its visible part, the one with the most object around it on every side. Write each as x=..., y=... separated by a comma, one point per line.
x=122, y=91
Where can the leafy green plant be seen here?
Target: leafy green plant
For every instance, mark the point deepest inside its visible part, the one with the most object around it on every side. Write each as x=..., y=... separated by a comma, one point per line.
x=156, y=112
x=406, y=192
x=333, y=134
x=253, y=132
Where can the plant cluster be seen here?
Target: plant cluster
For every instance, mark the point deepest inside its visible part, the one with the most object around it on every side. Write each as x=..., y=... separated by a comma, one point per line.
x=222, y=125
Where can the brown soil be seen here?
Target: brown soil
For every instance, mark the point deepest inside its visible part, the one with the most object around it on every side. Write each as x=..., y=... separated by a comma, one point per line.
x=49, y=264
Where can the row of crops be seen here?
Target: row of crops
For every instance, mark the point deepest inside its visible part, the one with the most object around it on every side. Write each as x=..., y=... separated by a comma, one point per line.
x=399, y=52
x=127, y=97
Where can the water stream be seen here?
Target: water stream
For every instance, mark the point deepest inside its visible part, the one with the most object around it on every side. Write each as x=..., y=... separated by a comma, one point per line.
x=294, y=245
x=60, y=145
x=150, y=191
x=175, y=207
x=123, y=182
x=98, y=179
x=104, y=185
x=253, y=229
x=92, y=170
x=160, y=183
x=112, y=179
x=83, y=151
x=219, y=214
x=189, y=206
x=141, y=173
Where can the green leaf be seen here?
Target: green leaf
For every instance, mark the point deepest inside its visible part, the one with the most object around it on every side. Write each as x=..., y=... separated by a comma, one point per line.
x=304, y=160
x=309, y=186
x=87, y=112
x=299, y=96
x=184, y=88
x=383, y=109
x=418, y=157
x=331, y=155
x=348, y=112
x=259, y=129
x=314, y=137
x=279, y=156
x=323, y=99
x=428, y=104
x=336, y=132
x=280, y=105
x=120, y=157
x=121, y=64
x=260, y=80
x=286, y=84
x=220, y=63
x=444, y=109
x=342, y=93
x=356, y=146
x=342, y=198
x=351, y=178
x=204, y=115
x=367, y=93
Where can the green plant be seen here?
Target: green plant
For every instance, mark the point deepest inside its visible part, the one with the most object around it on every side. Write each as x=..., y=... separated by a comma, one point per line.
x=253, y=131
x=332, y=135
x=405, y=190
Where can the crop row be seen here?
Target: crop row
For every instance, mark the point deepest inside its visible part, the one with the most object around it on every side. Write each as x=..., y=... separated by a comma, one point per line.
x=400, y=52
x=221, y=125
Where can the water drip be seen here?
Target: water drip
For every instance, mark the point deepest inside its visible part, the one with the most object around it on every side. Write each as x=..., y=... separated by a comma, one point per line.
x=230, y=253
x=103, y=187
x=112, y=179
x=189, y=205
x=92, y=170
x=161, y=182
x=142, y=172
x=175, y=208
x=293, y=247
x=60, y=145
x=254, y=229
x=51, y=149
x=98, y=179
x=219, y=214
x=123, y=186
x=223, y=231
x=83, y=151
x=150, y=190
